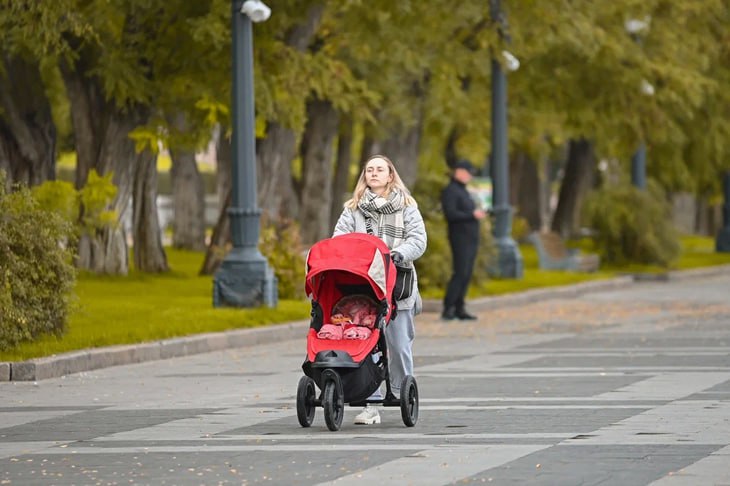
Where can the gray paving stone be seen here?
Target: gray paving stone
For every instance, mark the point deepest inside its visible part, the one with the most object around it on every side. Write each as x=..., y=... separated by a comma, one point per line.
x=300, y=468
x=626, y=465
x=639, y=400
x=522, y=387
x=93, y=423
x=629, y=341
x=659, y=360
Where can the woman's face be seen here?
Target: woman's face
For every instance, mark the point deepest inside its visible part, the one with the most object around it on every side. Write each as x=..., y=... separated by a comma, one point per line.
x=377, y=175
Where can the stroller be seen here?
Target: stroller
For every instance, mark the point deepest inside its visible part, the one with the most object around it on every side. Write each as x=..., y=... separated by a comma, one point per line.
x=354, y=268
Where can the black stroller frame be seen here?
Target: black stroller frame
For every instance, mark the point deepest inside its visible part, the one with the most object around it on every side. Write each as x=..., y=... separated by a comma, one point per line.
x=332, y=371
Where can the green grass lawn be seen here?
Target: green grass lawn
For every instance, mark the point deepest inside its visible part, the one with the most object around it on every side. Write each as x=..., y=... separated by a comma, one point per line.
x=143, y=307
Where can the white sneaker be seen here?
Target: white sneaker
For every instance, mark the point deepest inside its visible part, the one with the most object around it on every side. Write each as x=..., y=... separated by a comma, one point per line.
x=368, y=416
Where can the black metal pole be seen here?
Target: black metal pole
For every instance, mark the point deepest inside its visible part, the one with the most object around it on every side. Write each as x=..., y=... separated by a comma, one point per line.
x=509, y=259
x=244, y=212
x=638, y=167
x=244, y=278
x=722, y=244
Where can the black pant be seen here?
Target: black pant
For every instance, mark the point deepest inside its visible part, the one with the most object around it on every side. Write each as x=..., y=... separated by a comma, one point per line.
x=463, y=253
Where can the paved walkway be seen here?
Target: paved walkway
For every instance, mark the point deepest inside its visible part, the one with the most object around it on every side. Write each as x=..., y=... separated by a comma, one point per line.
x=625, y=386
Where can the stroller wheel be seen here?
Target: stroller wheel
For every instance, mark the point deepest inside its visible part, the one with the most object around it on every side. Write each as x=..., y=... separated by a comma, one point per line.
x=306, y=396
x=409, y=401
x=333, y=403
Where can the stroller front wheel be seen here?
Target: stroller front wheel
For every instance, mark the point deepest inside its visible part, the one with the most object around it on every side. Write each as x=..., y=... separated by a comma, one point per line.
x=306, y=397
x=409, y=401
x=333, y=402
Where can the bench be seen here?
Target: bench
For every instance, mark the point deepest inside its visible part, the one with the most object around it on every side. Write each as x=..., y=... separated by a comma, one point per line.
x=554, y=255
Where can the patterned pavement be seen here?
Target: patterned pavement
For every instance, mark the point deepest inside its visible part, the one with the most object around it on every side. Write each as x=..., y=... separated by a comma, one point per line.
x=629, y=387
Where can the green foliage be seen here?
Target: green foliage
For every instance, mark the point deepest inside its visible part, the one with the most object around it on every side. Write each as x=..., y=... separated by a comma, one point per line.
x=632, y=226
x=96, y=198
x=520, y=228
x=434, y=267
x=59, y=197
x=281, y=244
x=36, y=270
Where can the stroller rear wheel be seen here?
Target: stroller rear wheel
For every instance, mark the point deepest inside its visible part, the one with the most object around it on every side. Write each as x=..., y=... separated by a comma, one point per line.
x=409, y=401
x=306, y=396
x=333, y=402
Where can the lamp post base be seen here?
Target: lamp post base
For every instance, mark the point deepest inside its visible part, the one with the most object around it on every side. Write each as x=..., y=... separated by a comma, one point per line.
x=245, y=279
x=722, y=243
x=509, y=262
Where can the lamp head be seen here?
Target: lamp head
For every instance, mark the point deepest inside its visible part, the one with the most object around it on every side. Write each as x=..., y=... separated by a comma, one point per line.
x=256, y=10
x=510, y=61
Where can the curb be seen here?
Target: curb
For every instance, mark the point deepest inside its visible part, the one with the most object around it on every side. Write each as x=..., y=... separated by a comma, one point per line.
x=96, y=358
x=533, y=295
x=574, y=290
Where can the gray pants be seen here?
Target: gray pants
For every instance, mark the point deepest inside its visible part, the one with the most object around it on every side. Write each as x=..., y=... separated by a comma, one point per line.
x=399, y=335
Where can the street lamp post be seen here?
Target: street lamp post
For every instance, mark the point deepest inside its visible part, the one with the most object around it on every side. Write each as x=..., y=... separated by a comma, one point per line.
x=509, y=259
x=244, y=278
x=635, y=27
x=638, y=167
x=722, y=244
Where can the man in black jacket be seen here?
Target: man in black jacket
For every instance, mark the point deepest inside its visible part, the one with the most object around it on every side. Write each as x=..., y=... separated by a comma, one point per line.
x=463, y=218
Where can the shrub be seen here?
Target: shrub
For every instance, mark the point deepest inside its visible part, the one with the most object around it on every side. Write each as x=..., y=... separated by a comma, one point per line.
x=632, y=225
x=434, y=267
x=36, y=270
x=281, y=244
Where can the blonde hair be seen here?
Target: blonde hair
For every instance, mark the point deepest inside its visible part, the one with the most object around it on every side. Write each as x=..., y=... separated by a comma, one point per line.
x=396, y=183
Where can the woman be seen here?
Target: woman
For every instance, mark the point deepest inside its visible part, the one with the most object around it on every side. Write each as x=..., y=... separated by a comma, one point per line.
x=381, y=205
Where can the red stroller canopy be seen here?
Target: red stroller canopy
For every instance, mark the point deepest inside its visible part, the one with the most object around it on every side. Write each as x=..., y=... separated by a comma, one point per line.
x=360, y=254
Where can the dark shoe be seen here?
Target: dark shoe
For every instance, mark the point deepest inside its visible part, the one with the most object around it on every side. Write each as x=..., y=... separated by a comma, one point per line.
x=448, y=315
x=465, y=316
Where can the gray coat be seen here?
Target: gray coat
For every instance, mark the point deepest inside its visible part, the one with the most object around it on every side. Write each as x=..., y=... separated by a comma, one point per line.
x=414, y=245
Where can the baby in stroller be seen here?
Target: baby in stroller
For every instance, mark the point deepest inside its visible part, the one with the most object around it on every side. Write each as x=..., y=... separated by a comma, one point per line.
x=350, y=279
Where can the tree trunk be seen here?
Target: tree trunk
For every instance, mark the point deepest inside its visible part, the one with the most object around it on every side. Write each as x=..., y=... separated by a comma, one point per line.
x=368, y=148
x=402, y=149
x=403, y=143
x=275, y=152
x=149, y=255
x=340, y=182
x=101, y=135
x=450, y=154
x=578, y=177
x=316, y=154
x=27, y=131
x=525, y=189
x=188, y=194
x=224, y=167
x=219, y=241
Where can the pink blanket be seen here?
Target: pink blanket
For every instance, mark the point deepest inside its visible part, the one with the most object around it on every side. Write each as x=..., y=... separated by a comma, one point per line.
x=330, y=331
x=357, y=332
